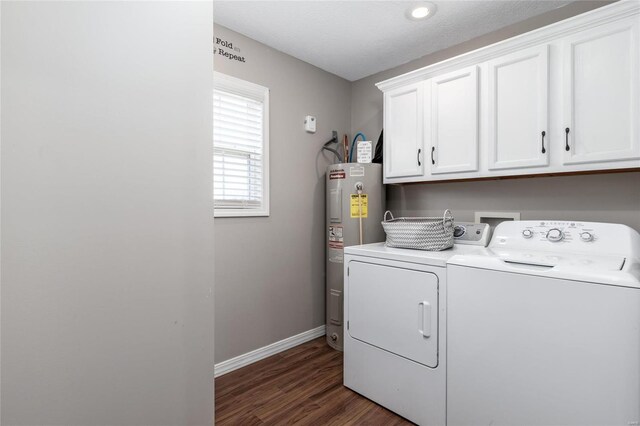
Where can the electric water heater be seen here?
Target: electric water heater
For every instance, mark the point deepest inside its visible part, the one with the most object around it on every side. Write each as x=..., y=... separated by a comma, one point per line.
x=355, y=206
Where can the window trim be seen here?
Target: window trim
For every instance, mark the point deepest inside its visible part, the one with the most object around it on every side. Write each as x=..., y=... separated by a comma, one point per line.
x=259, y=93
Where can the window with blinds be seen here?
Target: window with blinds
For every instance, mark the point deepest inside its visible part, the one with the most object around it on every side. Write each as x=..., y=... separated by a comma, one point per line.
x=240, y=147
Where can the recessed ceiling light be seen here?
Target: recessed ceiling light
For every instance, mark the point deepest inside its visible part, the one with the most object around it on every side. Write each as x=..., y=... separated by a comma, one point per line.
x=421, y=11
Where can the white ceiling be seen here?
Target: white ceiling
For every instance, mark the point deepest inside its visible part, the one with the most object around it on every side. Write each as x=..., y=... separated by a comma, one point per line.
x=354, y=39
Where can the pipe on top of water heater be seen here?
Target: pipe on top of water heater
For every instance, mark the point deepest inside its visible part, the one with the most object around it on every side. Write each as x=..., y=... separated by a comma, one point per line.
x=364, y=138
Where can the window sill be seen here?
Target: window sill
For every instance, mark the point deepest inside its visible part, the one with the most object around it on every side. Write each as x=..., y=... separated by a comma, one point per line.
x=240, y=213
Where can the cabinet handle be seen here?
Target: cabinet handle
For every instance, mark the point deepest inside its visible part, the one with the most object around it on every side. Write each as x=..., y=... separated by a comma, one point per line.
x=543, y=134
x=419, y=151
x=566, y=140
x=433, y=149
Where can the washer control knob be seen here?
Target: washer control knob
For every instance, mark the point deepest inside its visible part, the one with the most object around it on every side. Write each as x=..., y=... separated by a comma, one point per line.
x=527, y=233
x=586, y=236
x=555, y=235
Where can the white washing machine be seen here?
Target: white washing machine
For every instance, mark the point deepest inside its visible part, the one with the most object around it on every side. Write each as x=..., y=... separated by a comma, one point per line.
x=543, y=327
x=395, y=339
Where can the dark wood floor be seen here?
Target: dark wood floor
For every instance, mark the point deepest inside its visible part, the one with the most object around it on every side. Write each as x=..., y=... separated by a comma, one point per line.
x=301, y=386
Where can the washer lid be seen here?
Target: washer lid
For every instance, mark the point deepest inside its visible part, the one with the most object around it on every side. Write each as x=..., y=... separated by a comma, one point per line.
x=611, y=270
x=551, y=259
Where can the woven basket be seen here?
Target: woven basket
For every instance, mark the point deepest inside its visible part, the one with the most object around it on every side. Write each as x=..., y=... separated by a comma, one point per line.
x=420, y=233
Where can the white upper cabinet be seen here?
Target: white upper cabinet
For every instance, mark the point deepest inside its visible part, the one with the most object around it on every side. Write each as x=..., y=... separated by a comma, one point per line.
x=601, y=94
x=403, y=131
x=518, y=93
x=561, y=99
x=454, y=122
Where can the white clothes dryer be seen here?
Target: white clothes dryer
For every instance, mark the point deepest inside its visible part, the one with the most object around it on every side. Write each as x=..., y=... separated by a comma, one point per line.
x=395, y=338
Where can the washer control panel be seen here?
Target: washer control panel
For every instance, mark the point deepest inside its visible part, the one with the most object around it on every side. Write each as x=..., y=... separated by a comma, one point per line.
x=569, y=236
x=471, y=233
x=558, y=232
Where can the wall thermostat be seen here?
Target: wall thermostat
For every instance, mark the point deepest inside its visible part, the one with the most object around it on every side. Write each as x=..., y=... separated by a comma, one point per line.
x=310, y=124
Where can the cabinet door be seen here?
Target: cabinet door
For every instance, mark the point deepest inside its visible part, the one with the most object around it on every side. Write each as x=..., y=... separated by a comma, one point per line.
x=394, y=309
x=403, y=131
x=601, y=78
x=518, y=109
x=454, y=122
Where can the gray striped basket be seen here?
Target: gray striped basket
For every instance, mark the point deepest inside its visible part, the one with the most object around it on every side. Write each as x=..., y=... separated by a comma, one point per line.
x=419, y=233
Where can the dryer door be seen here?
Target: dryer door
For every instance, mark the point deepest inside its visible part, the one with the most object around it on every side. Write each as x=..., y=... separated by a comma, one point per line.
x=394, y=309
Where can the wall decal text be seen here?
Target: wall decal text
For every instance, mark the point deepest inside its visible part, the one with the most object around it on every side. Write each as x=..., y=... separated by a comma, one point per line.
x=227, y=49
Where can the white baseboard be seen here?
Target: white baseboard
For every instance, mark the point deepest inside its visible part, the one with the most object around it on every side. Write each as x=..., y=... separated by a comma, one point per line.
x=240, y=361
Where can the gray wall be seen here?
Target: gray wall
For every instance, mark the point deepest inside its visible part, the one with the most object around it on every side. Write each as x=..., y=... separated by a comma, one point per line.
x=107, y=308
x=606, y=198
x=270, y=270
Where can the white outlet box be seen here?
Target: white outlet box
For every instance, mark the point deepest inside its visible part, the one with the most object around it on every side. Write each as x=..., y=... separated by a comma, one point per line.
x=310, y=124
x=494, y=218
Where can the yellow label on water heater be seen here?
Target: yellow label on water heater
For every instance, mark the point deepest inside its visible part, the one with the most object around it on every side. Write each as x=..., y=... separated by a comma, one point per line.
x=356, y=205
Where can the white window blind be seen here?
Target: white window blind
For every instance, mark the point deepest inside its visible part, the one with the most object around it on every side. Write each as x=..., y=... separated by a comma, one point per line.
x=240, y=143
